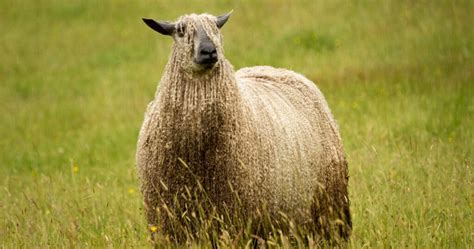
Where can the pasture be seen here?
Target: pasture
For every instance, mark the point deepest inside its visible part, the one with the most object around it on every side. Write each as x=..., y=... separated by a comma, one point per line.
x=76, y=76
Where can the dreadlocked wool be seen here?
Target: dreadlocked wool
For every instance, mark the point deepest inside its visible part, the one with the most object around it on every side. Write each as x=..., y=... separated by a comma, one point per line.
x=258, y=137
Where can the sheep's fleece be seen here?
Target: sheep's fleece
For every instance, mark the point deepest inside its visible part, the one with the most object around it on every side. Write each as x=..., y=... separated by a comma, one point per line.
x=258, y=136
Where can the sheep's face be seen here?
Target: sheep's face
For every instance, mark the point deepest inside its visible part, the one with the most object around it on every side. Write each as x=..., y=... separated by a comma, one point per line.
x=197, y=40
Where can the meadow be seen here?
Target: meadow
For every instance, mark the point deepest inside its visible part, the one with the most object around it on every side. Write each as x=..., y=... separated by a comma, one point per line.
x=76, y=76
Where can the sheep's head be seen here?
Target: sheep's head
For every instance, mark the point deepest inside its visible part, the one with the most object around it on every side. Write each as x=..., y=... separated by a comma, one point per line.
x=197, y=40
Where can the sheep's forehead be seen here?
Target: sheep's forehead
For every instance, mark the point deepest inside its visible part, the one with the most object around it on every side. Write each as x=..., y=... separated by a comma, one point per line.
x=203, y=23
x=193, y=21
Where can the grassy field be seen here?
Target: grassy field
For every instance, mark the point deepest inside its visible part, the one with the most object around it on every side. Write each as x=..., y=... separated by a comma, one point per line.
x=76, y=77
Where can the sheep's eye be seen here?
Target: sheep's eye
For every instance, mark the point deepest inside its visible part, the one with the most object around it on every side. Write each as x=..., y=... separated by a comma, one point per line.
x=181, y=30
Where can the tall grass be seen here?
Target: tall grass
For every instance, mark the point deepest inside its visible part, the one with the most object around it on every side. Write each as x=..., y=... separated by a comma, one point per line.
x=76, y=77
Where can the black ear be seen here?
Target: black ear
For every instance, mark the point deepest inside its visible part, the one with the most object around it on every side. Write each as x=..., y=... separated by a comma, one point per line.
x=164, y=28
x=221, y=20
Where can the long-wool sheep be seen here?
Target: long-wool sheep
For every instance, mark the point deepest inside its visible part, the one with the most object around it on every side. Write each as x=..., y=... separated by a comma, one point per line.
x=257, y=139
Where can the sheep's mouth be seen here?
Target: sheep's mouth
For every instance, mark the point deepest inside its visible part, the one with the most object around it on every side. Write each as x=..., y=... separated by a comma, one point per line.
x=205, y=64
x=208, y=65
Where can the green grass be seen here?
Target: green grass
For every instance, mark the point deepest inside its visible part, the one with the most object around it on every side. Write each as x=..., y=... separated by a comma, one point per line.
x=76, y=76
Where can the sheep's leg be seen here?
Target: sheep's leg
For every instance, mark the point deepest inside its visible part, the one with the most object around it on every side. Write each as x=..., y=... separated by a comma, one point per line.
x=162, y=218
x=331, y=216
x=330, y=209
x=151, y=215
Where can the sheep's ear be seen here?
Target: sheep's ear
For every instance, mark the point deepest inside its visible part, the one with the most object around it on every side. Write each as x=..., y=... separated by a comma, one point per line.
x=221, y=20
x=164, y=28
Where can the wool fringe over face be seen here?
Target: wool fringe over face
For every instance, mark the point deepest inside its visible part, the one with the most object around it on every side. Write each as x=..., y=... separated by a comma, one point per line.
x=259, y=138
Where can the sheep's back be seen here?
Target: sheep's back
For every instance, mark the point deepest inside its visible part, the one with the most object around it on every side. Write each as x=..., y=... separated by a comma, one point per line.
x=294, y=130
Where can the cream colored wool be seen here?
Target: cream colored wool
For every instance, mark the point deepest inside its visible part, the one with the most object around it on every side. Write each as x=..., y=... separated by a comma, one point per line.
x=264, y=134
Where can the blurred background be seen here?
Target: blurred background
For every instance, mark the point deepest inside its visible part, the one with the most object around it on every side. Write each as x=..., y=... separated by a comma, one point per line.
x=76, y=76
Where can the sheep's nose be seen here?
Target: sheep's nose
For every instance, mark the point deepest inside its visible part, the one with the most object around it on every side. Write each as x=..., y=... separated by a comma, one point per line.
x=207, y=55
x=209, y=51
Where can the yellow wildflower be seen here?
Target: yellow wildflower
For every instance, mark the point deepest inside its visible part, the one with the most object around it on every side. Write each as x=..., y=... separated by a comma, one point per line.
x=131, y=190
x=75, y=169
x=153, y=228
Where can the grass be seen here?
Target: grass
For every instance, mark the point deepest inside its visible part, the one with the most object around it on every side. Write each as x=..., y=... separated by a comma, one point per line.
x=76, y=77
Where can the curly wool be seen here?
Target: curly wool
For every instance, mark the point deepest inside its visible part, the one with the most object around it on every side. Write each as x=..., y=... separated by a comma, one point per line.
x=263, y=134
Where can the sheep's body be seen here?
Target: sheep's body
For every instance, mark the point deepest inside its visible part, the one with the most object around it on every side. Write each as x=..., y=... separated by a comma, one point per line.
x=263, y=134
x=296, y=135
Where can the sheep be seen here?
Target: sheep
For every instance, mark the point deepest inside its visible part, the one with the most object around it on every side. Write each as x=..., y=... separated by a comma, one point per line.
x=260, y=138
